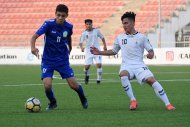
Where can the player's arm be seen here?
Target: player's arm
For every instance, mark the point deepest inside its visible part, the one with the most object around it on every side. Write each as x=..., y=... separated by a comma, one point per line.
x=95, y=51
x=100, y=35
x=81, y=47
x=81, y=42
x=115, y=49
x=34, y=50
x=40, y=31
x=104, y=43
x=150, y=54
x=112, y=51
x=70, y=44
x=148, y=48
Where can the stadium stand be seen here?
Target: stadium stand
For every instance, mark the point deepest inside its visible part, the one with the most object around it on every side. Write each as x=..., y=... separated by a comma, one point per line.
x=21, y=18
x=147, y=16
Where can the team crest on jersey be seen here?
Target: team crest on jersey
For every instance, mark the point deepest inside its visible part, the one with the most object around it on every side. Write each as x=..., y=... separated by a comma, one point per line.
x=65, y=33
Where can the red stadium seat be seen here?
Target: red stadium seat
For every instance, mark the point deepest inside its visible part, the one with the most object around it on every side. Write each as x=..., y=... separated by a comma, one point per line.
x=21, y=18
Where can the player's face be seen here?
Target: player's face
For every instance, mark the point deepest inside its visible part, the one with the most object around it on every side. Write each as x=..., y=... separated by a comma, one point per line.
x=88, y=25
x=60, y=17
x=128, y=25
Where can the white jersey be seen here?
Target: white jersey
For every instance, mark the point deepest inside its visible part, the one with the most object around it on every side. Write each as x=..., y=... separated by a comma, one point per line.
x=132, y=48
x=91, y=39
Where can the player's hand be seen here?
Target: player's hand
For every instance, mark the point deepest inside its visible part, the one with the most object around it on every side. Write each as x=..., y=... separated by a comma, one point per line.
x=94, y=51
x=105, y=48
x=150, y=55
x=82, y=49
x=35, y=52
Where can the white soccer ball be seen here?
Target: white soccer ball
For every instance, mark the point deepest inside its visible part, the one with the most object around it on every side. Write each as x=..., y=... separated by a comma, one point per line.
x=33, y=105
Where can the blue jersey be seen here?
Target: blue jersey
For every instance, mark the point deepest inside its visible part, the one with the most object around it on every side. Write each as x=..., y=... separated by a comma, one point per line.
x=56, y=50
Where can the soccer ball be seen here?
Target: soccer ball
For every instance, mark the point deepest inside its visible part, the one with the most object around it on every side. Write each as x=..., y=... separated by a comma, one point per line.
x=33, y=105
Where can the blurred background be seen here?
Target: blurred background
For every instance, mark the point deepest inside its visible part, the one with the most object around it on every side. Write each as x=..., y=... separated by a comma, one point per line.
x=165, y=22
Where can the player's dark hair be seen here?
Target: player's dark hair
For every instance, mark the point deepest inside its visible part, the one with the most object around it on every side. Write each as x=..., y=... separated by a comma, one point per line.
x=129, y=15
x=62, y=8
x=88, y=21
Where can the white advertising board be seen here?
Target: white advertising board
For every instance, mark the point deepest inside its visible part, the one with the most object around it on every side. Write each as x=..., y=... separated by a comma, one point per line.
x=162, y=56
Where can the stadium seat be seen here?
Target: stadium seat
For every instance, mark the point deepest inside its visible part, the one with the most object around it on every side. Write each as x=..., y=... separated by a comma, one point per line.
x=21, y=18
x=147, y=17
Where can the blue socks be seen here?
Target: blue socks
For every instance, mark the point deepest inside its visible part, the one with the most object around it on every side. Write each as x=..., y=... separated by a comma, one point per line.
x=50, y=95
x=81, y=93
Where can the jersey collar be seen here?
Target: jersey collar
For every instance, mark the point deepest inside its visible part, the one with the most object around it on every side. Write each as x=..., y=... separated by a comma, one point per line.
x=132, y=34
x=59, y=24
x=90, y=30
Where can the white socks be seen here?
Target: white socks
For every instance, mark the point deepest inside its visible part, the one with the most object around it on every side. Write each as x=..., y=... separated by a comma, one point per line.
x=160, y=92
x=127, y=87
x=156, y=86
x=99, y=74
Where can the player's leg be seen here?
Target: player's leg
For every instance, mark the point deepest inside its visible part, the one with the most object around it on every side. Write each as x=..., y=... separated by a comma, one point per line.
x=67, y=73
x=47, y=73
x=87, y=73
x=78, y=88
x=160, y=92
x=49, y=93
x=88, y=62
x=99, y=73
x=124, y=74
x=98, y=61
x=143, y=74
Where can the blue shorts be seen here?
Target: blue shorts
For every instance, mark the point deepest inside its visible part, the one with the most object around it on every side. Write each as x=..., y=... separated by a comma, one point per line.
x=64, y=70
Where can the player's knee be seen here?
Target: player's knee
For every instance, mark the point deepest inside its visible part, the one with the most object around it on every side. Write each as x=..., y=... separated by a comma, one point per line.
x=99, y=65
x=73, y=84
x=47, y=84
x=123, y=73
x=87, y=67
x=150, y=80
x=72, y=87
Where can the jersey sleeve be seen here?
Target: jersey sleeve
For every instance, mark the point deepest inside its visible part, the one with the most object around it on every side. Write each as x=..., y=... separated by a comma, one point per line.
x=116, y=47
x=147, y=44
x=82, y=38
x=100, y=35
x=70, y=26
x=71, y=31
x=42, y=29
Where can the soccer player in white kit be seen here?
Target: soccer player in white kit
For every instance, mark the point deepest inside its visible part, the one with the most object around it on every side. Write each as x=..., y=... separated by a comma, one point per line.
x=90, y=37
x=132, y=45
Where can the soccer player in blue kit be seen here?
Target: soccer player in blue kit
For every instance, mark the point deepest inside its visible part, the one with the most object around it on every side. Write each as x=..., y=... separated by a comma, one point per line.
x=57, y=47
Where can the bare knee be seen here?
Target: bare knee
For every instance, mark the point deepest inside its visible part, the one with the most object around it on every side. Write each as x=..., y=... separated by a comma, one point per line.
x=72, y=83
x=87, y=67
x=124, y=73
x=47, y=83
x=98, y=65
x=150, y=80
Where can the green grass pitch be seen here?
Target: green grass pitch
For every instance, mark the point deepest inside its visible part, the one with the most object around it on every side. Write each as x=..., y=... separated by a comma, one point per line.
x=108, y=103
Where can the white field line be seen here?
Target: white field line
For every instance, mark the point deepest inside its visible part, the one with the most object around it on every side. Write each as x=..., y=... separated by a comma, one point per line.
x=82, y=74
x=111, y=81
x=103, y=81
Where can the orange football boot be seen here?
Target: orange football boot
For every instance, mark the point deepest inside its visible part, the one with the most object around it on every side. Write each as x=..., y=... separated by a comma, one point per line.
x=170, y=107
x=133, y=105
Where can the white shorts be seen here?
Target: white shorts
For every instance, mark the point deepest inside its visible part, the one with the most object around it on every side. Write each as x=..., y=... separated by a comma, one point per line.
x=141, y=73
x=90, y=59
